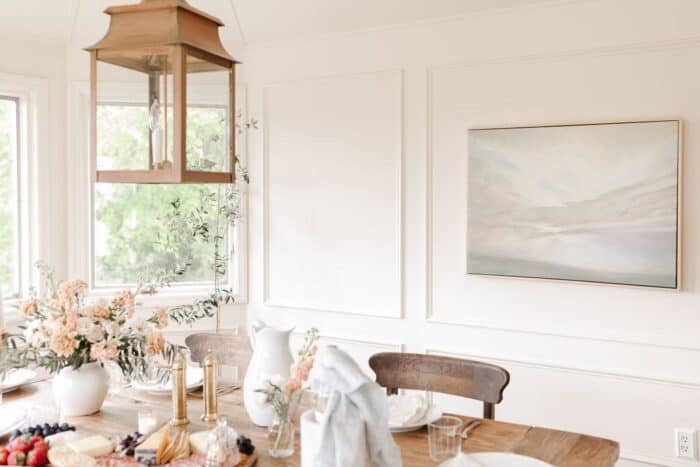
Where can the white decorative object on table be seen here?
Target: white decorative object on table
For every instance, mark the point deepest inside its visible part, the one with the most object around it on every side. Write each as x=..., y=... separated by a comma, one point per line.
x=311, y=439
x=356, y=416
x=271, y=359
x=82, y=391
x=410, y=412
x=493, y=459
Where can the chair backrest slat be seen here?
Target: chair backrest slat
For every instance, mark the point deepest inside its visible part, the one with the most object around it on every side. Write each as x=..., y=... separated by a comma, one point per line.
x=229, y=349
x=448, y=375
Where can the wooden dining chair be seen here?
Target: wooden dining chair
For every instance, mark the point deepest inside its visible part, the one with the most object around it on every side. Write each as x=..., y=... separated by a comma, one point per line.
x=447, y=375
x=229, y=349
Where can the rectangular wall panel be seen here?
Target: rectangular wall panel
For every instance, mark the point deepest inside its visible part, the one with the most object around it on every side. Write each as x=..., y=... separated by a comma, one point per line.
x=333, y=155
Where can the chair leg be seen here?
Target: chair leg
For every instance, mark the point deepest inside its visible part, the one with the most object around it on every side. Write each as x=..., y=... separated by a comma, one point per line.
x=489, y=410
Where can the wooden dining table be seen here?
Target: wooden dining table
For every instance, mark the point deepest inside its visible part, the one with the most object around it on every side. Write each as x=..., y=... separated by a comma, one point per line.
x=119, y=417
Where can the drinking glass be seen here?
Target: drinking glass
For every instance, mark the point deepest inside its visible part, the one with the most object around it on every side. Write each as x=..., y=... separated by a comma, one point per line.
x=444, y=440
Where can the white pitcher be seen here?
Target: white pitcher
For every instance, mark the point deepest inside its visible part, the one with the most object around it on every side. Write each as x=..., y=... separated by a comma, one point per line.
x=271, y=359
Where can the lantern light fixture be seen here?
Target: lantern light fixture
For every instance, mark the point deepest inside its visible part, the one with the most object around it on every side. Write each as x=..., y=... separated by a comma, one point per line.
x=156, y=53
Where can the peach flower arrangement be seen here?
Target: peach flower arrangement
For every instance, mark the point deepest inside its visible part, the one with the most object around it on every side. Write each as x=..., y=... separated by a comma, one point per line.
x=66, y=329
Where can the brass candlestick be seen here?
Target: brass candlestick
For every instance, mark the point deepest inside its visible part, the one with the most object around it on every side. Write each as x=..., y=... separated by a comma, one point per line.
x=179, y=381
x=210, y=403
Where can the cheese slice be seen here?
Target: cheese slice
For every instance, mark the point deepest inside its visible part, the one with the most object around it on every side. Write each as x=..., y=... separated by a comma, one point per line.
x=152, y=449
x=61, y=439
x=94, y=446
x=65, y=457
x=199, y=443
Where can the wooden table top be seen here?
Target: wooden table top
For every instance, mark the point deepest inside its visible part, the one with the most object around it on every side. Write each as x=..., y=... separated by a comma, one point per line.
x=119, y=416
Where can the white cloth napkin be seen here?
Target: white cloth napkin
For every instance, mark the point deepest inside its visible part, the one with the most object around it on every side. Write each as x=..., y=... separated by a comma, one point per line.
x=356, y=406
x=462, y=460
x=406, y=409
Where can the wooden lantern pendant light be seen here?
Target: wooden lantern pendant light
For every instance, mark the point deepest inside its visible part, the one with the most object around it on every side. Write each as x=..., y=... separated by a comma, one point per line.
x=160, y=44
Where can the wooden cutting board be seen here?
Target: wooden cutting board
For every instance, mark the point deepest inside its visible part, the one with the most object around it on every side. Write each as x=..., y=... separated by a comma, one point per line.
x=193, y=461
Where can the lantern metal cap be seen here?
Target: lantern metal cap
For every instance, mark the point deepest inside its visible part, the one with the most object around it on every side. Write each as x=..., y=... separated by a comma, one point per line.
x=154, y=23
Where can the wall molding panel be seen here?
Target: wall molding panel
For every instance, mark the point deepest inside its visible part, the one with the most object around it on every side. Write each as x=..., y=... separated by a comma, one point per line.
x=396, y=78
x=432, y=73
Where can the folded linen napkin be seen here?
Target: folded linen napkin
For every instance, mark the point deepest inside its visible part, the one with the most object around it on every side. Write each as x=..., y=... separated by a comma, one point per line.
x=406, y=409
x=357, y=411
x=462, y=460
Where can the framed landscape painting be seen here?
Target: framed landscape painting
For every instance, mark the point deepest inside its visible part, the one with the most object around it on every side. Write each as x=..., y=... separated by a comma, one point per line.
x=591, y=202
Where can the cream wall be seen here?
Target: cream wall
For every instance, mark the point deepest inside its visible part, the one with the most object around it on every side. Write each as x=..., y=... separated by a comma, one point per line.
x=358, y=205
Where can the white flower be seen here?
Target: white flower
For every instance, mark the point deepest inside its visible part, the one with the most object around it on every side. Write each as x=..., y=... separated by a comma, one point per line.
x=95, y=334
x=35, y=334
x=84, y=325
x=111, y=328
x=139, y=325
x=277, y=380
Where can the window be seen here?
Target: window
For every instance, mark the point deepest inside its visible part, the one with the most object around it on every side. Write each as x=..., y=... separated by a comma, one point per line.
x=129, y=224
x=10, y=219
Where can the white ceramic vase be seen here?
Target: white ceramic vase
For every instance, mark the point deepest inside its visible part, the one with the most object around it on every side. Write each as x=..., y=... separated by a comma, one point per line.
x=82, y=391
x=271, y=360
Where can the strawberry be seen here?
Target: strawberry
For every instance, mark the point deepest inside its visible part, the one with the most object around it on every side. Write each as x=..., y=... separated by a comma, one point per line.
x=21, y=444
x=35, y=439
x=4, y=454
x=41, y=446
x=37, y=457
x=17, y=458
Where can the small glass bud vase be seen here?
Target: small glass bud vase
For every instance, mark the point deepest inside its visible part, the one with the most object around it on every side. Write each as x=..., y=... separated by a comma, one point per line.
x=281, y=435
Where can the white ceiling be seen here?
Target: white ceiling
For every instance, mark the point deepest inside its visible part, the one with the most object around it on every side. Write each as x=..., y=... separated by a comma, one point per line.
x=81, y=22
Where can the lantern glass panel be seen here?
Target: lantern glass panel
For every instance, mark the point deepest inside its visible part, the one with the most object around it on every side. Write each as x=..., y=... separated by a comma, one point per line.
x=208, y=116
x=134, y=128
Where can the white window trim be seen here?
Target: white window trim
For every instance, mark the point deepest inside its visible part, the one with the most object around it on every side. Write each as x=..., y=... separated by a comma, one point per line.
x=34, y=160
x=80, y=199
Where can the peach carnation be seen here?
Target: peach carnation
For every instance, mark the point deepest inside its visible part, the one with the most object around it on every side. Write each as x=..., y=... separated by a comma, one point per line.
x=69, y=290
x=124, y=300
x=161, y=318
x=63, y=342
x=291, y=386
x=155, y=343
x=104, y=351
x=29, y=308
x=97, y=312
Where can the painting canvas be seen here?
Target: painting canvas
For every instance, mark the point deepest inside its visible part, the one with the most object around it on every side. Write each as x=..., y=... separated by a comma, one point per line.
x=594, y=203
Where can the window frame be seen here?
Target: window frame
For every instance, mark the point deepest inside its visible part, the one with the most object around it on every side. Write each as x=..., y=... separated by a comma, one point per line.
x=18, y=280
x=81, y=197
x=33, y=169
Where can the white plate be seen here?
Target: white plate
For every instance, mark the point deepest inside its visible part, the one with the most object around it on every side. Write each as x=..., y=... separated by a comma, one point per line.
x=195, y=377
x=500, y=459
x=432, y=414
x=16, y=379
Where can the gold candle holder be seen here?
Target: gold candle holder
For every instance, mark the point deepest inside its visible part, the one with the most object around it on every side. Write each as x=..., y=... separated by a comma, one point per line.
x=210, y=403
x=179, y=381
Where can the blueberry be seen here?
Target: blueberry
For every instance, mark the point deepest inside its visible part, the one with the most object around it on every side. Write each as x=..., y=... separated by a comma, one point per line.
x=16, y=433
x=64, y=426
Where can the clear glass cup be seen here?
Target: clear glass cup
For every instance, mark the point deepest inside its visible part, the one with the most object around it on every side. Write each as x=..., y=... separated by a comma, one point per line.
x=147, y=422
x=444, y=438
x=227, y=376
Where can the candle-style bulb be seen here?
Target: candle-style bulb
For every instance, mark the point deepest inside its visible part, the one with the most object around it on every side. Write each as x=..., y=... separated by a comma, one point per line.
x=209, y=365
